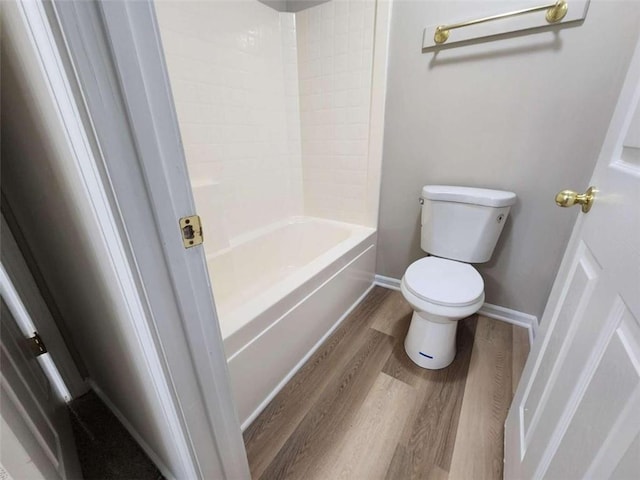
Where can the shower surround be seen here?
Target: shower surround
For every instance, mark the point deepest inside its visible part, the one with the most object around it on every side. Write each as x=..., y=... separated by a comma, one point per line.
x=275, y=113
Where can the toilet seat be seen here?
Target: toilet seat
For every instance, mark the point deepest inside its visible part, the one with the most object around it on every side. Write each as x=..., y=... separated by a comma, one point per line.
x=444, y=282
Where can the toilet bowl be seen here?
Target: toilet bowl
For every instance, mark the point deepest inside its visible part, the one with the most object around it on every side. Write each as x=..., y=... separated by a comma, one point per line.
x=441, y=292
x=460, y=226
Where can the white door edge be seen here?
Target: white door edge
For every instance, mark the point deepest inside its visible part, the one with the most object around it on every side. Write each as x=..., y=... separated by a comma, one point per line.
x=44, y=42
x=28, y=328
x=120, y=40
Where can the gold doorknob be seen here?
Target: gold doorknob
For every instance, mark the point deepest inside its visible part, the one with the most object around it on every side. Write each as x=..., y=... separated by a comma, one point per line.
x=568, y=198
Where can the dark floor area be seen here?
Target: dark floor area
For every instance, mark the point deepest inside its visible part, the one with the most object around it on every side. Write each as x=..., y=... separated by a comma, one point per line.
x=105, y=449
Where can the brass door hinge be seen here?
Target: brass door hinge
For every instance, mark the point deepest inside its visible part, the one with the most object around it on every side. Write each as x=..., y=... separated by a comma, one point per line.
x=191, y=229
x=36, y=345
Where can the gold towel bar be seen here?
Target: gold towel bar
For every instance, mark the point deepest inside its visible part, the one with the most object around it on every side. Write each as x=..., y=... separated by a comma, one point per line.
x=555, y=12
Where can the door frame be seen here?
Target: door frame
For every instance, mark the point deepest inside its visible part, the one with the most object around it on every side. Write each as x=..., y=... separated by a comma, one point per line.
x=105, y=69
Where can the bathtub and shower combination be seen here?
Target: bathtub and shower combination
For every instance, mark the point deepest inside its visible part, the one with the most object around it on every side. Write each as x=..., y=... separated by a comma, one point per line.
x=281, y=125
x=279, y=293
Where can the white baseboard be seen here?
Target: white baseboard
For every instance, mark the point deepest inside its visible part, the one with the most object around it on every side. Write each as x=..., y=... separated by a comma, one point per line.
x=387, y=282
x=132, y=431
x=525, y=320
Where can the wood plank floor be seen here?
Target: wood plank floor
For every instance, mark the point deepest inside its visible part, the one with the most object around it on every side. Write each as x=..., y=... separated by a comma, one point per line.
x=360, y=409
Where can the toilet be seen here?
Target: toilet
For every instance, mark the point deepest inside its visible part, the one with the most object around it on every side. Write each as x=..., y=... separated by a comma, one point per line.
x=460, y=226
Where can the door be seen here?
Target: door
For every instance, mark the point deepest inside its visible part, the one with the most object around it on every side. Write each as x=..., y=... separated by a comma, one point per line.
x=21, y=293
x=576, y=412
x=35, y=431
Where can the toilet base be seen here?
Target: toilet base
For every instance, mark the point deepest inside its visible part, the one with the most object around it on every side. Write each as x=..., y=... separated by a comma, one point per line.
x=431, y=344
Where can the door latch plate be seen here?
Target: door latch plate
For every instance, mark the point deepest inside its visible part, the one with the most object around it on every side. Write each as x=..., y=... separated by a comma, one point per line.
x=191, y=230
x=36, y=345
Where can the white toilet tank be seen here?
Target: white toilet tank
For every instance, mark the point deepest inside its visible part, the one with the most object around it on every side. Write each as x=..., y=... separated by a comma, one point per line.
x=462, y=223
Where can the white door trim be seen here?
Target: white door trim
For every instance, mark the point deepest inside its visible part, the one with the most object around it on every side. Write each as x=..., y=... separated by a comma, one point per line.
x=95, y=187
x=118, y=61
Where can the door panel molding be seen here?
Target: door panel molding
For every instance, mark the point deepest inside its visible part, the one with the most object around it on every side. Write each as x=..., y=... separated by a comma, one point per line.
x=577, y=296
x=613, y=319
x=625, y=430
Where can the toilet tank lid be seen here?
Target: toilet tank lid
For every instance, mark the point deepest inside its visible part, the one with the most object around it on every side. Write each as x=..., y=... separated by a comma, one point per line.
x=478, y=196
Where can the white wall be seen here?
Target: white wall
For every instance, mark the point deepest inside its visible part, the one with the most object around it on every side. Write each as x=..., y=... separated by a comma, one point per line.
x=46, y=195
x=232, y=66
x=335, y=55
x=274, y=111
x=526, y=114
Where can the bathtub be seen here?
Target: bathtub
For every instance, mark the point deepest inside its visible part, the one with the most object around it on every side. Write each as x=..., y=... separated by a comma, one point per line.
x=279, y=293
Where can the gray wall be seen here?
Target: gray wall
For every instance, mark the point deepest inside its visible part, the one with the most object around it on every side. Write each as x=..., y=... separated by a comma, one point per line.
x=280, y=5
x=526, y=114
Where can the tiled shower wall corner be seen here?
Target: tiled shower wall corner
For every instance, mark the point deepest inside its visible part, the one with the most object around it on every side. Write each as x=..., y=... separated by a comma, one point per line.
x=273, y=109
x=335, y=55
x=292, y=107
x=232, y=67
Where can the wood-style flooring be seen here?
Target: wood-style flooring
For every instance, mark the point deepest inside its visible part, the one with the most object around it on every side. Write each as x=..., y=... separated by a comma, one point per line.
x=360, y=409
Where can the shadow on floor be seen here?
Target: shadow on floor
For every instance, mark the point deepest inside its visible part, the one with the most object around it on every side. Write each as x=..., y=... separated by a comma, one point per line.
x=105, y=449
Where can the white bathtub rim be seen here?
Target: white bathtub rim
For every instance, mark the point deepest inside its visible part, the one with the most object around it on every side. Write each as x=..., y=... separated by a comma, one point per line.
x=301, y=363
x=247, y=237
x=272, y=325
x=260, y=322
x=232, y=322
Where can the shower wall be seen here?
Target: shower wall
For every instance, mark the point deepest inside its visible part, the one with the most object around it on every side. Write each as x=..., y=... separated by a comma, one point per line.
x=335, y=55
x=274, y=111
x=232, y=67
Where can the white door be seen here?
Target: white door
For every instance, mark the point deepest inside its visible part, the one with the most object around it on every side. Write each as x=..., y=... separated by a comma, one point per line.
x=20, y=292
x=576, y=412
x=35, y=431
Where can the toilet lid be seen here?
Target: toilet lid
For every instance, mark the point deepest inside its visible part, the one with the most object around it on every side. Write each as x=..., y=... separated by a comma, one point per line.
x=444, y=282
